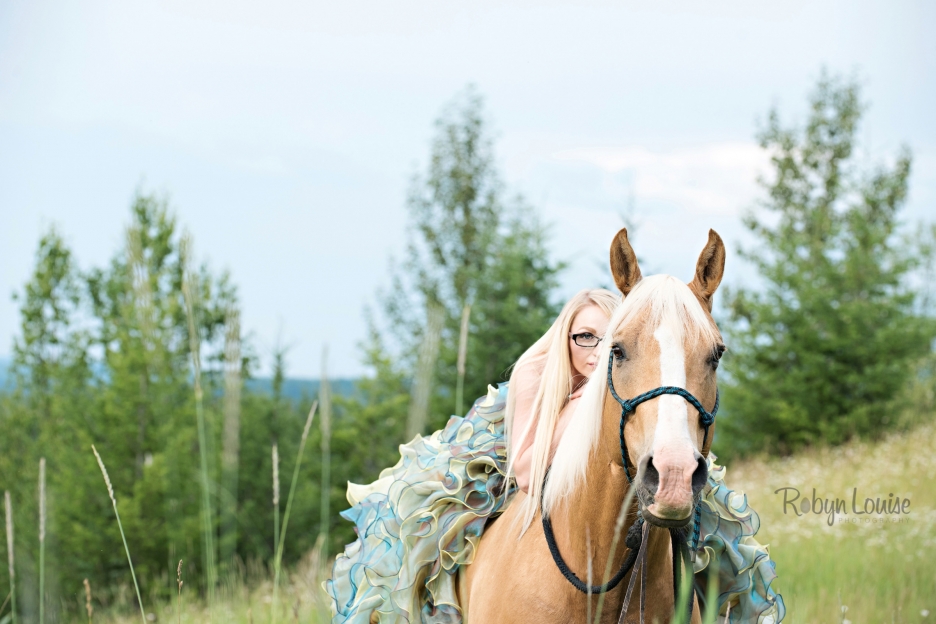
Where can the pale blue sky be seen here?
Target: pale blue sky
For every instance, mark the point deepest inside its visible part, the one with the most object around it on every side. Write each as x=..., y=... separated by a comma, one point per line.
x=285, y=133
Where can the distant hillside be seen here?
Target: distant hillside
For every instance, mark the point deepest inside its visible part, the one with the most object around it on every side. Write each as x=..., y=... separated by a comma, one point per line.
x=293, y=389
x=299, y=389
x=4, y=373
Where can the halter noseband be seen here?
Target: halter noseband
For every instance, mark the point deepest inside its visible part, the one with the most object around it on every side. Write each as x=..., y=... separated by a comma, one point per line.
x=628, y=407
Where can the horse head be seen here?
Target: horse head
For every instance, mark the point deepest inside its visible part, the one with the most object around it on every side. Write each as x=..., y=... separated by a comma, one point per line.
x=664, y=349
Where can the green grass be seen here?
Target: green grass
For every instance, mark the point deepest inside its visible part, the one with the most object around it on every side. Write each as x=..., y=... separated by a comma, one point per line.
x=882, y=573
x=246, y=599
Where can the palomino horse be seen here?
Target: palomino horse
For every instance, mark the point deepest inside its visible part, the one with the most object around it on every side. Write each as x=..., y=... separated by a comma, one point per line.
x=662, y=337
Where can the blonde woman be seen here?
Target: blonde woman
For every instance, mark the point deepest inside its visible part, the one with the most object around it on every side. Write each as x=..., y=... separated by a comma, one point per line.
x=424, y=517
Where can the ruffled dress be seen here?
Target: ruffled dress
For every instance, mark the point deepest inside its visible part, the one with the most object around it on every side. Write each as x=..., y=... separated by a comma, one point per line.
x=424, y=517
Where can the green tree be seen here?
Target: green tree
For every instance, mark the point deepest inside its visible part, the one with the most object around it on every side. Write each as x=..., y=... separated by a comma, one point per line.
x=468, y=245
x=102, y=358
x=52, y=373
x=819, y=353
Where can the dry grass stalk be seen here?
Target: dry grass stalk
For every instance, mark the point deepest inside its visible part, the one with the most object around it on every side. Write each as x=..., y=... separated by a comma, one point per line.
x=289, y=500
x=422, y=384
x=189, y=283
x=588, y=550
x=230, y=451
x=179, y=580
x=8, y=506
x=87, y=593
x=110, y=492
x=618, y=528
x=314, y=576
x=276, y=498
x=460, y=363
x=325, y=422
x=140, y=282
x=42, y=531
x=144, y=308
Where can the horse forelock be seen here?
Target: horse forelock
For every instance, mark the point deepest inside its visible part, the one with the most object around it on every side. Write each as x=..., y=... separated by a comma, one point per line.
x=656, y=301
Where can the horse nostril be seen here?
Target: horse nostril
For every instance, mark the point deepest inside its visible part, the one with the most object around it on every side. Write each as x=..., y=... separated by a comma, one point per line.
x=699, y=475
x=651, y=477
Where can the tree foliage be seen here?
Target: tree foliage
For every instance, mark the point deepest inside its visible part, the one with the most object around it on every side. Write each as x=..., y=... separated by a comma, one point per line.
x=819, y=353
x=469, y=244
x=103, y=358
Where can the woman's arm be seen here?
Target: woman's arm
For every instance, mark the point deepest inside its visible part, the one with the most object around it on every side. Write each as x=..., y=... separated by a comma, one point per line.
x=525, y=459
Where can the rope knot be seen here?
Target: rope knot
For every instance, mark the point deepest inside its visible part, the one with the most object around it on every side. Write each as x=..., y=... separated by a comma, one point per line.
x=633, y=534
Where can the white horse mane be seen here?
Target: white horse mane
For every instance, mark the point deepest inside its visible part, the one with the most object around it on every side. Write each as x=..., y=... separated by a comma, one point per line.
x=668, y=301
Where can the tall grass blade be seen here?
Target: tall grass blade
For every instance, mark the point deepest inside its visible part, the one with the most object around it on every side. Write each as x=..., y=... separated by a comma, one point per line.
x=144, y=309
x=325, y=422
x=618, y=528
x=189, y=294
x=460, y=362
x=276, y=499
x=230, y=451
x=110, y=492
x=422, y=384
x=88, y=607
x=711, y=594
x=681, y=613
x=8, y=506
x=42, y=530
x=289, y=500
x=589, y=580
x=180, y=582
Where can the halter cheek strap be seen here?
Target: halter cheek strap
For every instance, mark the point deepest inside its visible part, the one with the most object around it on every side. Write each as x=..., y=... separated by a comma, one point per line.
x=629, y=406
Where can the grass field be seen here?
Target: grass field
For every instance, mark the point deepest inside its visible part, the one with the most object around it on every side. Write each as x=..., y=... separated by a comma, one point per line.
x=857, y=572
x=878, y=572
x=247, y=600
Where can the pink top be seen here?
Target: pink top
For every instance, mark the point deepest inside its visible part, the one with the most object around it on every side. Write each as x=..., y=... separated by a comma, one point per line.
x=525, y=382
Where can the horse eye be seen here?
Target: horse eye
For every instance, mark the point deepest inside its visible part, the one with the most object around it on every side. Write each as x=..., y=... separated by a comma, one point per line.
x=618, y=352
x=716, y=355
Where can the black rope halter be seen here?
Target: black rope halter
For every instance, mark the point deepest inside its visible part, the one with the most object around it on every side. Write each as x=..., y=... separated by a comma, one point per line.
x=683, y=553
x=629, y=407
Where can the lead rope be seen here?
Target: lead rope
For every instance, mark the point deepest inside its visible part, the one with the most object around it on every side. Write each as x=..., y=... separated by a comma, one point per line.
x=633, y=541
x=639, y=529
x=681, y=558
x=642, y=566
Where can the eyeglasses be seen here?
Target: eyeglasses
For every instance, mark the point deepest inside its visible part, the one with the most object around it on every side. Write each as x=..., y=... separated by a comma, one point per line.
x=585, y=339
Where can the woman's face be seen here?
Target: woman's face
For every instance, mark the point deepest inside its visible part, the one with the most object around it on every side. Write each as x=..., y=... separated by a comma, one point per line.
x=589, y=320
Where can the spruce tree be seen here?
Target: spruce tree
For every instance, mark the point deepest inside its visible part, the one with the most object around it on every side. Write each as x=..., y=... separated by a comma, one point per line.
x=820, y=351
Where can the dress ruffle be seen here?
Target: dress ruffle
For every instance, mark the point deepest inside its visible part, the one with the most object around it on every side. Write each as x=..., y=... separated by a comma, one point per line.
x=424, y=517
x=745, y=570
x=421, y=520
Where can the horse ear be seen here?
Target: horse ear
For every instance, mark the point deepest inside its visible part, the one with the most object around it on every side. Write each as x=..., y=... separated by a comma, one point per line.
x=624, y=263
x=709, y=269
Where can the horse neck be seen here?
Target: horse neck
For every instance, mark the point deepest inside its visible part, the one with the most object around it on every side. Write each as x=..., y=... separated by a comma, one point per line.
x=589, y=516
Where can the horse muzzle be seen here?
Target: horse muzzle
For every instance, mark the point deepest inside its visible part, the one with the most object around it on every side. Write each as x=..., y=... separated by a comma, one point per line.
x=669, y=486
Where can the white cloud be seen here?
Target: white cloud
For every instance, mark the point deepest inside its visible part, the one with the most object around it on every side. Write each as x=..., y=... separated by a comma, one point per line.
x=716, y=179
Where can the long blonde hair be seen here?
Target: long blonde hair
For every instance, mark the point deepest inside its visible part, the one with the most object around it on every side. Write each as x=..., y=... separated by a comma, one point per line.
x=551, y=354
x=666, y=300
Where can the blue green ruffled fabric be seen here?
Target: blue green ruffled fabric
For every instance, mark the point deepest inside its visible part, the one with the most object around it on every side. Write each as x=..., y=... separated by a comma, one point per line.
x=745, y=570
x=423, y=518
